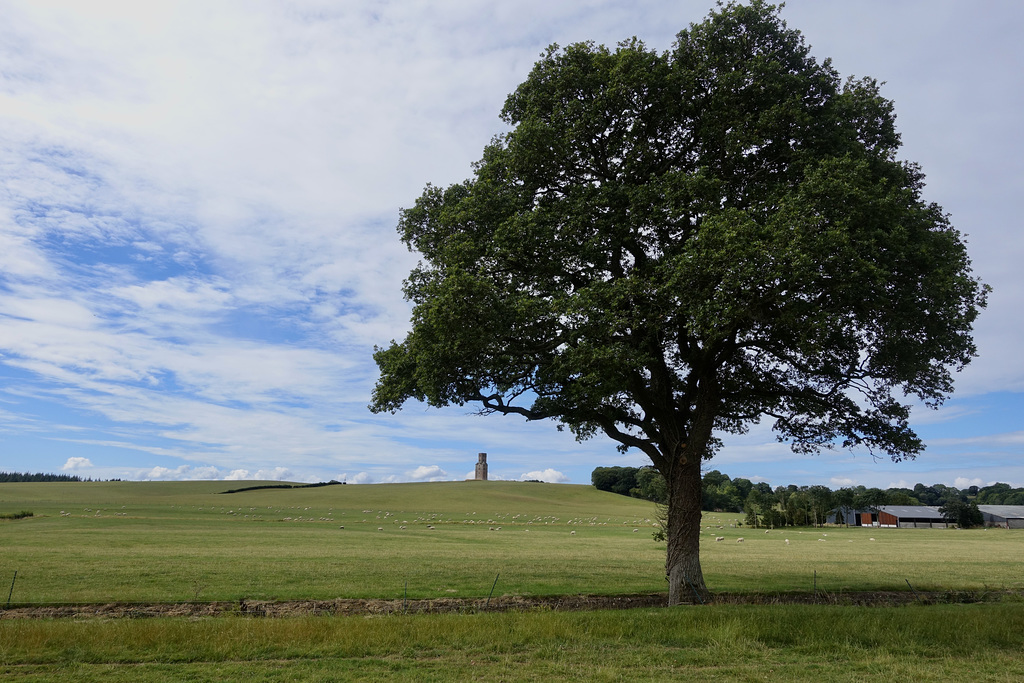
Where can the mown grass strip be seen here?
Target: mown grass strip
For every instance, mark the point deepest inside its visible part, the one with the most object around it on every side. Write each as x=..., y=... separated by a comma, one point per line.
x=795, y=642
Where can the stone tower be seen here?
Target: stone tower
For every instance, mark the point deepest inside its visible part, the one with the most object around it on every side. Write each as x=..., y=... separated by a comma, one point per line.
x=481, y=467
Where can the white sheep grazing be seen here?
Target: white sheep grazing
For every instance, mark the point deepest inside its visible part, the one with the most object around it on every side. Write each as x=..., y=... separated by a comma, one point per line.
x=572, y=533
x=822, y=540
x=635, y=530
x=380, y=528
x=766, y=532
x=871, y=539
x=719, y=538
x=739, y=540
x=787, y=541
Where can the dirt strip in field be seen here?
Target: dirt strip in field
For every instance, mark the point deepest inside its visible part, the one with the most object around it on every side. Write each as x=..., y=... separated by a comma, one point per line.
x=564, y=603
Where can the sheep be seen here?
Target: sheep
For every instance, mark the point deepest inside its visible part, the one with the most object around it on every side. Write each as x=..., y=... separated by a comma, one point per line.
x=572, y=533
x=871, y=539
x=739, y=540
x=766, y=532
x=719, y=538
x=822, y=540
x=635, y=530
x=787, y=541
x=380, y=528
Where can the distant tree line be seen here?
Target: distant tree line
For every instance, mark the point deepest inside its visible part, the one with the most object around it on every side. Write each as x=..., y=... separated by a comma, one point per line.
x=806, y=505
x=8, y=477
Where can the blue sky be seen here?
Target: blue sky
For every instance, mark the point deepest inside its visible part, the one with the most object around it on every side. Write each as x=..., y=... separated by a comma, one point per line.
x=197, y=227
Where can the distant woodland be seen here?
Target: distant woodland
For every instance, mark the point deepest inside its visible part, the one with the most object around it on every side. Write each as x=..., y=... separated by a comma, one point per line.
x=796, y=505
x=7, y=477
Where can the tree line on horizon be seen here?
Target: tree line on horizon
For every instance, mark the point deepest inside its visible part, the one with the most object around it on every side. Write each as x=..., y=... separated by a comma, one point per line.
x=9, y=477
x=794, y=505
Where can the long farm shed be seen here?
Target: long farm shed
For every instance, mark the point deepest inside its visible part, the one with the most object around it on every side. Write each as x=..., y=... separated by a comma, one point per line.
x=1007, y=516
x=898, y=517
x=911, y=517
x=928, y=517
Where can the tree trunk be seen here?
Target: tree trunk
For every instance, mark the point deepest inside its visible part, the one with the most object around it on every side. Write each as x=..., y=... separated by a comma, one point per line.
x=682, y=564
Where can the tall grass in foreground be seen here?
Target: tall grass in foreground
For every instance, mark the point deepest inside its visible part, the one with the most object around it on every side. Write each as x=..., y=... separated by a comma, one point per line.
x=790, y=642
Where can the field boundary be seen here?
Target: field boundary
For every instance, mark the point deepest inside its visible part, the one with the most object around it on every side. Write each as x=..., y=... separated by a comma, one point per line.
x=562, y=603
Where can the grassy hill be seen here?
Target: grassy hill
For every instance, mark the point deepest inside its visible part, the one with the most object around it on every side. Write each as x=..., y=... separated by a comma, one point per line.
x=177, y=541
x=173, y=541
x=452, y=501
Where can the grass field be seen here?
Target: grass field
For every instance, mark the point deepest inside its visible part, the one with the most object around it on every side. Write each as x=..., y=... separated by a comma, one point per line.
x=169, y=542
x=176, y=541
x=721, y=643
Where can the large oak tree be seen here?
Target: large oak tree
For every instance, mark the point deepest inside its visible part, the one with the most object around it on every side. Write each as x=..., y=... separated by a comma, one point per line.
x=672, y=245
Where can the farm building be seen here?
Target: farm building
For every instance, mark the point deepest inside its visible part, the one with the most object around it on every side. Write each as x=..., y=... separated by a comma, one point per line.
x=1007, y=516
x=911, y=517
x=895, y=516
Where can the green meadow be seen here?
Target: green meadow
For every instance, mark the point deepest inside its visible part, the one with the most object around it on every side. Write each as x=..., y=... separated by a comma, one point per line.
x=177, y=541
x=101, y=542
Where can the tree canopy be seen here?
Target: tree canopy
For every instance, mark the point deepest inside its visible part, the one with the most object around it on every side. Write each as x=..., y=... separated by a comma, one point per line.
x=964, y=514
x=670, y=246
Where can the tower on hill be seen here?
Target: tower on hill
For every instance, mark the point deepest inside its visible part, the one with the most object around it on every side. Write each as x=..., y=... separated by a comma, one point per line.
x=481, y=467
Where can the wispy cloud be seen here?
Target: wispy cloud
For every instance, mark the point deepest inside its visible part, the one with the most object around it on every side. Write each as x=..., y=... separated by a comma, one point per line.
x=198, y=201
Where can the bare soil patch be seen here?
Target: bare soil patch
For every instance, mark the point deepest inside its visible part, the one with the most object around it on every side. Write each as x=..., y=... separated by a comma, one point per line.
x=565, y=603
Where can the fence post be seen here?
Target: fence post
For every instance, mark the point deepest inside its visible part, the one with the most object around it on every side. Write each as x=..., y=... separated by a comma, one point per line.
x=486, y=604
x=12, y=588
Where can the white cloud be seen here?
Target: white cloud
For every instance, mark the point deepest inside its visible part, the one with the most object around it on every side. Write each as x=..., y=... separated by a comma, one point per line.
x=275, y=474
x=182, y=473
x=163, y=473
x=840, y=482
x=965, y=483
x=428, y=473
x=549, y=475
x=77, y=463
